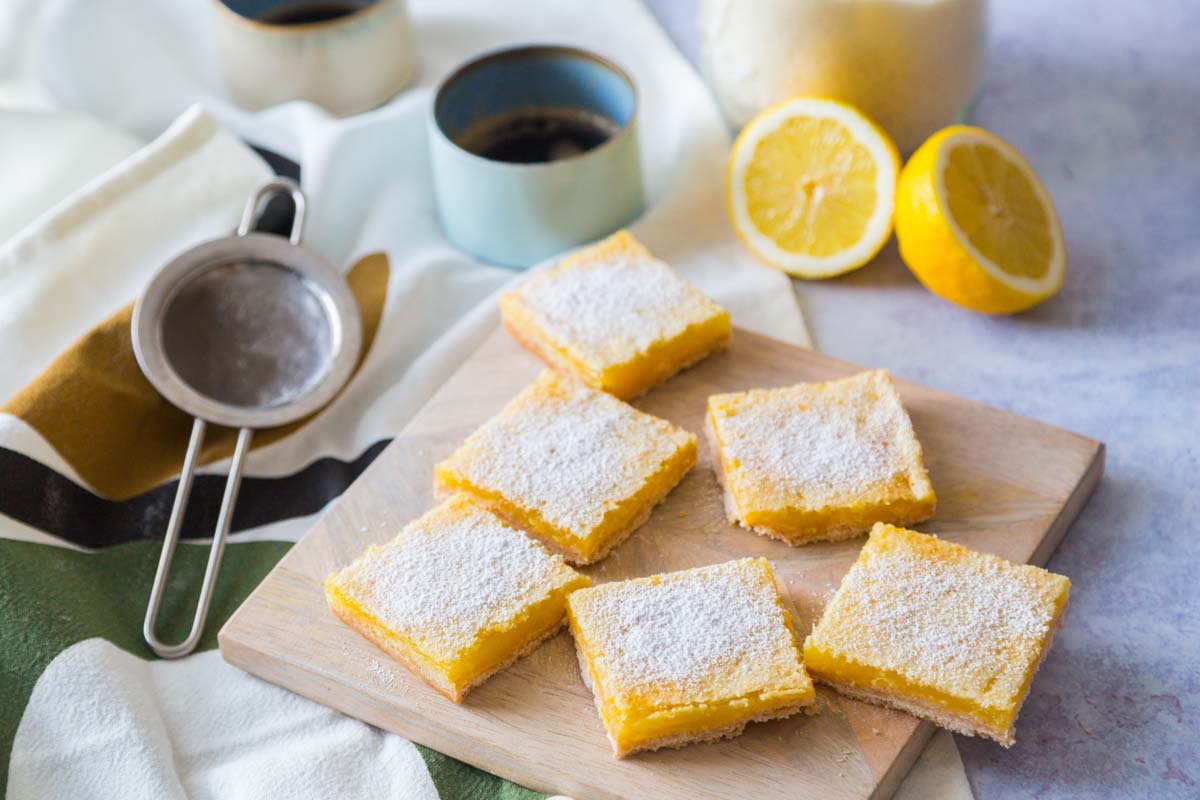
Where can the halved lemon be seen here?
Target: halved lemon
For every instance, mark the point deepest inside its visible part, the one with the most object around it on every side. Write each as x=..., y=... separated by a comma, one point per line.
x=811, y=185
x=976, y=226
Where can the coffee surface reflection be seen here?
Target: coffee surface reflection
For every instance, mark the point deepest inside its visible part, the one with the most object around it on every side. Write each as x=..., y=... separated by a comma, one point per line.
x=537, y=135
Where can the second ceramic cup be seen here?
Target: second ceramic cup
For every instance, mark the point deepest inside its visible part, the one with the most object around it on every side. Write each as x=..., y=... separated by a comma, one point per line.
x=347, y=56
x=534, y=151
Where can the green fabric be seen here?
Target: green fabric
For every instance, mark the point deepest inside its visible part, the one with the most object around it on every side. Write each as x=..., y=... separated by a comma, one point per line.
x=52, y=597
x=458, y=781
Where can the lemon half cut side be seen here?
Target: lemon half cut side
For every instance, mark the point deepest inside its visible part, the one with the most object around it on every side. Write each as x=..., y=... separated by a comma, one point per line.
x=811, y=186
x=976, y=225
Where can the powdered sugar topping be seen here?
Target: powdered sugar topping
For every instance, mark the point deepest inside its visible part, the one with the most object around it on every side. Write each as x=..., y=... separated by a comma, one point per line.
x=572, y=456
x=691, y=629
x=447, y=577
x=618, y=306
x=819, y=445
x=973, y=622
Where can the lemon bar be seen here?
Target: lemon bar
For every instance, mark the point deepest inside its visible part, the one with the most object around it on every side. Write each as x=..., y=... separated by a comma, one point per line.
x=456, y=597
x=937, y=630
x=575, y=467
x=819, y=461
x=616, y=317
x=688, y=656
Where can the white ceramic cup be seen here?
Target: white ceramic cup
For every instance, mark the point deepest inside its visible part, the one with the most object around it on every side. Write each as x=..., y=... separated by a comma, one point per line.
x=349, y=63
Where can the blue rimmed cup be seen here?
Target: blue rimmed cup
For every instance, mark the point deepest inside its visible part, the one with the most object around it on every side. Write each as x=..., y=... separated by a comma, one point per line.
x=518, y=214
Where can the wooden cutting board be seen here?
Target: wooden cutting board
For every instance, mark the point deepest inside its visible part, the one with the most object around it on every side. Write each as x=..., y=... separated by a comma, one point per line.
x=1005, y=484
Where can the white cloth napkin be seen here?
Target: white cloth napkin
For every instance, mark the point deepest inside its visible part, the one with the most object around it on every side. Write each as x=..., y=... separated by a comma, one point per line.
x=107, y=217
x=93, y=251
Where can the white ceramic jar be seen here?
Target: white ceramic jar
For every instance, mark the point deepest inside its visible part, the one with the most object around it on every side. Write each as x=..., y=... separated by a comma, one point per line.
x=911, y=65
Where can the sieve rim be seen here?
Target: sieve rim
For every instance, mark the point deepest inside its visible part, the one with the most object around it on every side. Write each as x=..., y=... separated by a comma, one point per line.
x=271, y=252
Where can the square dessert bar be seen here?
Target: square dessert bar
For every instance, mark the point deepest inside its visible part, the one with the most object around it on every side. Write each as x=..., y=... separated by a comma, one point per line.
x=688, y=656
x=819, y=461
x=575, y=467
x=937, y=630
x=615, y=317
x=456, y=597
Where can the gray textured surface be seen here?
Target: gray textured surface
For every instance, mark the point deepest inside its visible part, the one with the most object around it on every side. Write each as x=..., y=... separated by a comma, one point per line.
x=1104, y=99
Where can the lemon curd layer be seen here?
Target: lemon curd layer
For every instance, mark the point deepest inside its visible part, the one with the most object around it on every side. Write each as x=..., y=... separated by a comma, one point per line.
x=575, y=467
x=688, y=656
x=678, y=725
x=819, y=461
x=456, y=596
x=615, y=317
x=938, y=630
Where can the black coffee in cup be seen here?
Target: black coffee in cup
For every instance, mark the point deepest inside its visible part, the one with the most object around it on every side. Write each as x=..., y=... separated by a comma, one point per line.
x=304, y=12
x=537, y=135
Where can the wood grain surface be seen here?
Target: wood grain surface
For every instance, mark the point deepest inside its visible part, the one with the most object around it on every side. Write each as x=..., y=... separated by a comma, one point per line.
x=1005, y=484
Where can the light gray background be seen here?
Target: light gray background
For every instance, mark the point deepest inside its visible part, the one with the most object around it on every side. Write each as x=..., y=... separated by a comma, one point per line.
x=1104, y=99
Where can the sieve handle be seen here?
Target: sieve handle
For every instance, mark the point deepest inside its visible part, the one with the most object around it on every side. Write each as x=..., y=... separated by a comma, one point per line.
x=175, y=523
x=272, y=187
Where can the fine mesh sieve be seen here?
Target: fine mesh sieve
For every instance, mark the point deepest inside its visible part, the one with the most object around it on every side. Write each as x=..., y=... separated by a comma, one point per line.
x=249, y=331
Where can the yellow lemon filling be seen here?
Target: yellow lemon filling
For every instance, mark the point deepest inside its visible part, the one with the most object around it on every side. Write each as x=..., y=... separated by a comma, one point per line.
x=455, y=596
x=615, y=317
x=634, y=727
x=688, y=656
x=938, y=630
x=580, y=546
x=492, y=648
x=572, y=465
x=819, y=461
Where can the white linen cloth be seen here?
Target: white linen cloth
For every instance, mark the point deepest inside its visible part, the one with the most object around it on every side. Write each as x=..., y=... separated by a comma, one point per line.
x=94, y=218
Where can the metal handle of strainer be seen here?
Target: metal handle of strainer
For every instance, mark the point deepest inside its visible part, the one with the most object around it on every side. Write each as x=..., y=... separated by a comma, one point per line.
x=224, y=518
x=232, y=483
x=250, y=212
